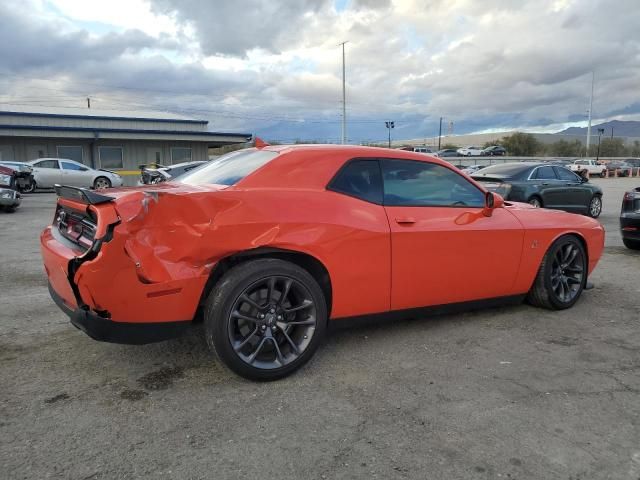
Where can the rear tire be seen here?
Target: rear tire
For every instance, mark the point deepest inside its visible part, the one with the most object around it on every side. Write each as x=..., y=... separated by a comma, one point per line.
x=631, y=244
x=562, y=275
x=603, y=174
x=595, y=206
x=250, y=326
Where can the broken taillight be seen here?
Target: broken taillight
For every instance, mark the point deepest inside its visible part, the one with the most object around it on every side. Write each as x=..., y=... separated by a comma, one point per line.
x=76, y=227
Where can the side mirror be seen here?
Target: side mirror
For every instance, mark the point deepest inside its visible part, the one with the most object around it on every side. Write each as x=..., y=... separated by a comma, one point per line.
x=492, y=201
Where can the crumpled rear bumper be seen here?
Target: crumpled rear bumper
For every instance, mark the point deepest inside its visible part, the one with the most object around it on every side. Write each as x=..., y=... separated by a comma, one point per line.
x=106, y=330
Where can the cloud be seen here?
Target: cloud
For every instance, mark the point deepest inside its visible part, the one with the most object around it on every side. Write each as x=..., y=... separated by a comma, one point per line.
x=233, y=28
x=274, y=68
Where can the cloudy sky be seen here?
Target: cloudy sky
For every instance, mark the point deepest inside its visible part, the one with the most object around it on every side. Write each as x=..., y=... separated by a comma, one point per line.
x=274, y=67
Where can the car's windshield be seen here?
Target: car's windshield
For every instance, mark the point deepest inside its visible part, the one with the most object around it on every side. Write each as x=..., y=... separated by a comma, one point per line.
x=228, y=169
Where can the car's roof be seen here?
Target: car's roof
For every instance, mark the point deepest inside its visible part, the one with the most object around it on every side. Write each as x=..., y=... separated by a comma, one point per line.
x=313, y=165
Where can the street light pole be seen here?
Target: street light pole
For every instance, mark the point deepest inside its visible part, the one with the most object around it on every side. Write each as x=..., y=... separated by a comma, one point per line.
x=440, y=134
x=600, y=132
x=389, y=126
x=593, y=76
x=344, y=97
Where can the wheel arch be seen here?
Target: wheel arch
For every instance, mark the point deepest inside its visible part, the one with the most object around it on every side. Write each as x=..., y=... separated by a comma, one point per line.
x=575, y=234
x=304, y=260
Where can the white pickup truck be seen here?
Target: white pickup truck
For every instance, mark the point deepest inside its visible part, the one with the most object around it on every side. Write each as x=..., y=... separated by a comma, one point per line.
x=591, y=166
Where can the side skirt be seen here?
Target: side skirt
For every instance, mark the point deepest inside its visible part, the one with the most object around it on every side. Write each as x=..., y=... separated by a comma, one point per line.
x=419, y=313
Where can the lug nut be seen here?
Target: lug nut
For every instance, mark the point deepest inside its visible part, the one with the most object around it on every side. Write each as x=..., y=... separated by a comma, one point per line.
x=261, y=315
x=273, y=310
x=279, y=317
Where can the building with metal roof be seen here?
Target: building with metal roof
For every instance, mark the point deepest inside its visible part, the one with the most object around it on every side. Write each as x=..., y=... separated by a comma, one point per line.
x=110, y=139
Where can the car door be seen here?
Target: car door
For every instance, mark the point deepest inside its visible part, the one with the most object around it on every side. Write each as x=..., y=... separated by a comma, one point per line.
x=443, y=247
x=75, y=174
x=551, y=189
x=577, y=195
x=47, y=173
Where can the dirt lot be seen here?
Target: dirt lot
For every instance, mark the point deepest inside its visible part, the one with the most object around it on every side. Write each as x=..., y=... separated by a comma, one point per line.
x=511, y=393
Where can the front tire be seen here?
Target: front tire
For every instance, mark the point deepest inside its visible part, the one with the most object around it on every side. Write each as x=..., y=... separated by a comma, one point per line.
x=101, y=183
x=562, y=275
x=595, y=206
x=632, y=244
x=265, y=318
x=29, y=188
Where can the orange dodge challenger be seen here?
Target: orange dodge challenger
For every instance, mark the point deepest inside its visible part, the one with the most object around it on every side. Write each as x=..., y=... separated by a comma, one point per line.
x=271, y=243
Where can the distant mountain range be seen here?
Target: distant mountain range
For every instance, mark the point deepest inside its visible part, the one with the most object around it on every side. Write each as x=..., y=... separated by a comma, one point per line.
x=620, y=129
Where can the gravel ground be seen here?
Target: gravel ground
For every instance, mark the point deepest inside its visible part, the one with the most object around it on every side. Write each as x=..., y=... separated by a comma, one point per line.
x=512, y=393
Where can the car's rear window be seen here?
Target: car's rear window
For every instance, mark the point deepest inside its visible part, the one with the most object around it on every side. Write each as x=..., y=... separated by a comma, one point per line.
x=228, y=169
x=507, y=169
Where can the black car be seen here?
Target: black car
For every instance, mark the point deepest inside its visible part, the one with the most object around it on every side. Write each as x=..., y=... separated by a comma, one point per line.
x=621, y=169
x=633, y=162
x=162, y=174
x=543, y=185
x=494, y=150
x=630, y=219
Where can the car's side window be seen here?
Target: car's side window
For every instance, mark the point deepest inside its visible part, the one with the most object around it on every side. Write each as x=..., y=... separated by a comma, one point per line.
x=72, y=166
x=566, y=175
x=360, y=179
x=544, y=173
x=47, y=164
x=424, y=184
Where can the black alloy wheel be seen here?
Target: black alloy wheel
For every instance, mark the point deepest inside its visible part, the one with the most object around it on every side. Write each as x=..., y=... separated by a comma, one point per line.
x=265, y=318
x=562, y=275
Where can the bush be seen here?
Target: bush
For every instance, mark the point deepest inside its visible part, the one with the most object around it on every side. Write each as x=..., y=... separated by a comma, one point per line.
x=522, y=145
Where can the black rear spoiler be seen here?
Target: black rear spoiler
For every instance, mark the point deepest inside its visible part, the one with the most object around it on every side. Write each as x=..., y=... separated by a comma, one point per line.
x=82, y=195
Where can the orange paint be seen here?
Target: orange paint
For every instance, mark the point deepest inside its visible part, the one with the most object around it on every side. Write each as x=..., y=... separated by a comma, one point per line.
x=167, y=239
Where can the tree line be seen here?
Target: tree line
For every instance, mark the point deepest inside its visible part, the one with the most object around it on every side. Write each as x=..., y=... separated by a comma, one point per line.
x=525, y=144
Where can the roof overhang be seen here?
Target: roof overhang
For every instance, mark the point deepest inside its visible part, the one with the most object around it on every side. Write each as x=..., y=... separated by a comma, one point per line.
x=122, y=134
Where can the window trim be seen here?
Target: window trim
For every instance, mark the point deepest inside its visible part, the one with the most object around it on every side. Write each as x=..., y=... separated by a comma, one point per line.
x=111, y=146
x=81, y=147
x=181, y=148
x=536, y=169
x=483, y=192
x=558, y=168
x=48, y=160
x=72, y=162
x=383, y=204
x=344, y=166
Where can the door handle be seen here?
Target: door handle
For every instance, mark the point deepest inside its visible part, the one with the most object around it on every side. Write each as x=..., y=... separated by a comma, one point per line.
x=545, y=184
x=405, y=220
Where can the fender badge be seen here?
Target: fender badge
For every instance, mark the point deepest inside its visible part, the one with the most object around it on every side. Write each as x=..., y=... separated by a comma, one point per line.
x=534, y=244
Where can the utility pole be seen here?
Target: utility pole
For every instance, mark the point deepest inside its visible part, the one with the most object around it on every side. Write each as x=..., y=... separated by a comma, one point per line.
x=88, y=102
x=440, y=134
x=344, y=98
x=389, y=126
x=593, y=76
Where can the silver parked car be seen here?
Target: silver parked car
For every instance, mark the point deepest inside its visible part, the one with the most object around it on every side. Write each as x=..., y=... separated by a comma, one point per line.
x=48, y=172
